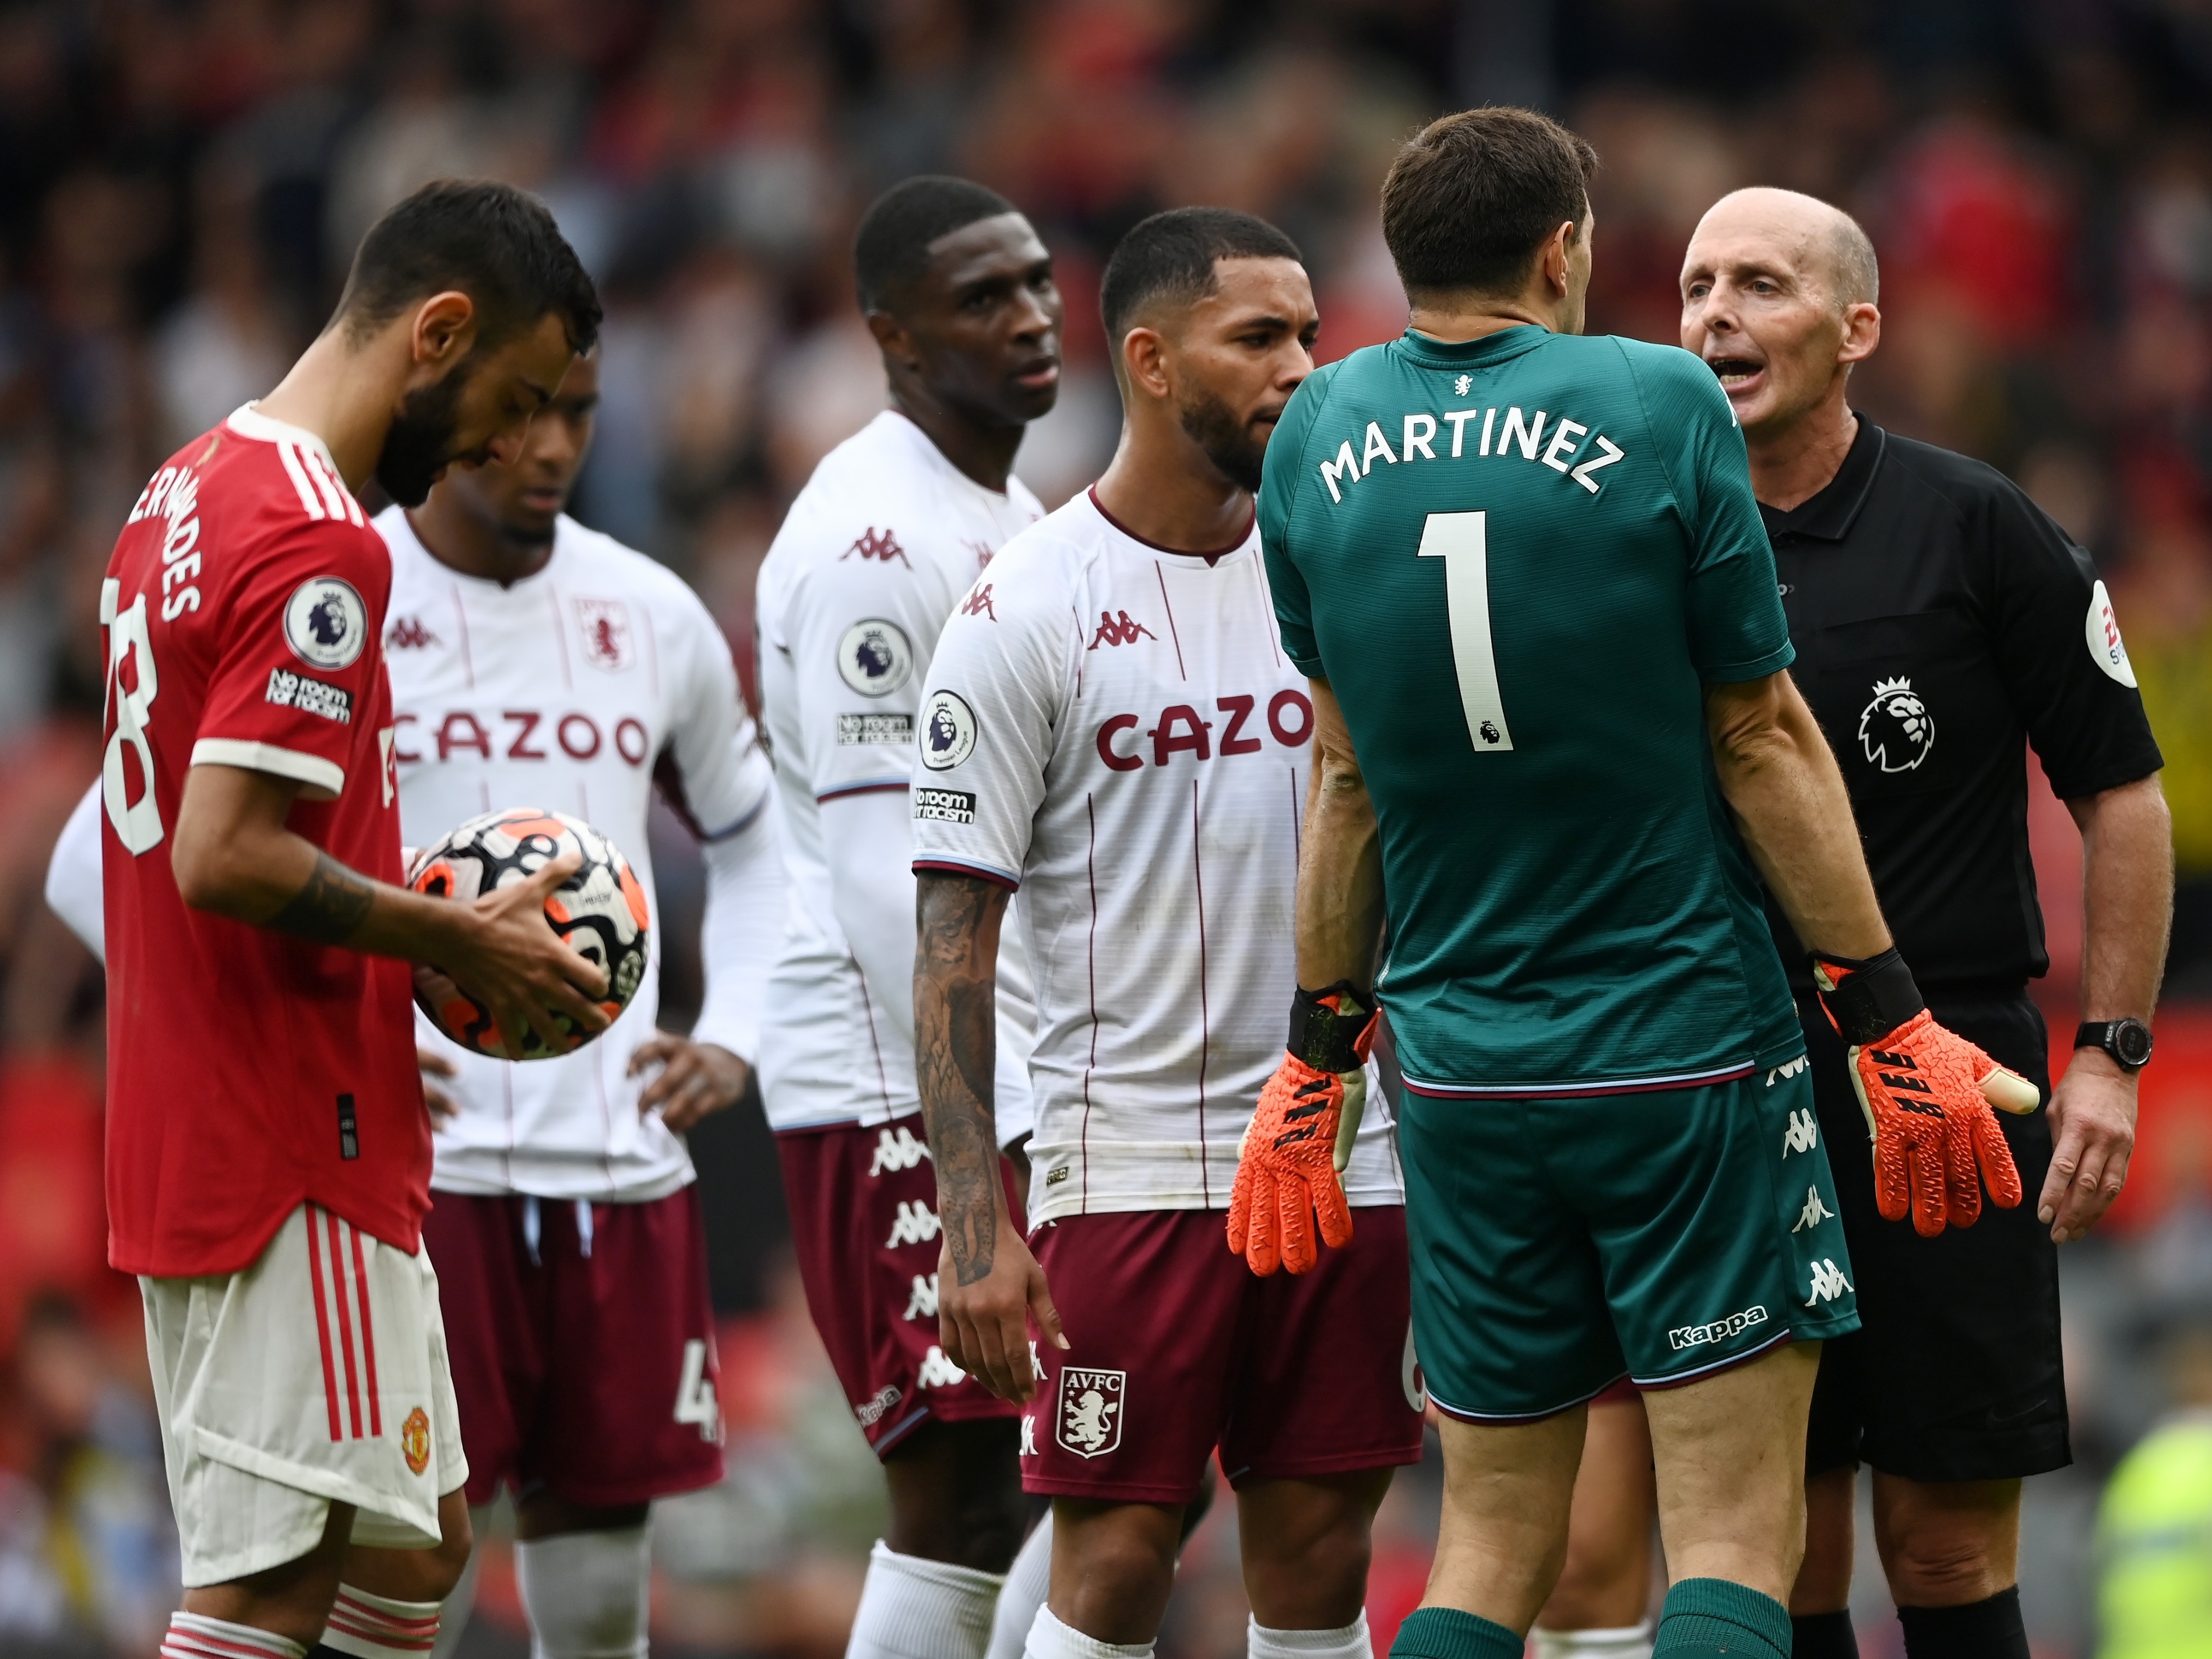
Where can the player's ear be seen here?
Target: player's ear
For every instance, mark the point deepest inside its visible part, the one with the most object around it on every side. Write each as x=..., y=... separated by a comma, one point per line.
x=444, y=329
x=1861, y=332
x=1144, y=361
x=892, y=339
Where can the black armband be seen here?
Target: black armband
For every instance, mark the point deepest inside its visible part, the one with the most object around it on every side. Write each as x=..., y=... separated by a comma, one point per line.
x=1328, y=1026
x=1867, y=1000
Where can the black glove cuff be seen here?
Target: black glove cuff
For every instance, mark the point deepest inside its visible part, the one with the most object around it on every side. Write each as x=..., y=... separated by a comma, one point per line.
x=1328, y=1038
x=1873, y=998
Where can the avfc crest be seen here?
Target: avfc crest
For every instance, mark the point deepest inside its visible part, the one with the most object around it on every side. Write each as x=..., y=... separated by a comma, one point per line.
x=1090, y=1416
x=1895, y=729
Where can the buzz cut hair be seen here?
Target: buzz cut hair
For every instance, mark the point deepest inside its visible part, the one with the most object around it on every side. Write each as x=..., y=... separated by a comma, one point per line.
x=1171, y=256
x=1471, y=196
x=488, y=241
x=892, y=244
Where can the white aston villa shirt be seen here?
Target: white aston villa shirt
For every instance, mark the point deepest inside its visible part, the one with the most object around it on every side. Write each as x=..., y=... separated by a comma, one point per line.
x=878, y=548
x=1113, y=728
x=577, y=689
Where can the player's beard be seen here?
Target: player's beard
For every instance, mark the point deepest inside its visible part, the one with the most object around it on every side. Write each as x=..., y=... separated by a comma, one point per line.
x=1227, y=441
x=420, y=443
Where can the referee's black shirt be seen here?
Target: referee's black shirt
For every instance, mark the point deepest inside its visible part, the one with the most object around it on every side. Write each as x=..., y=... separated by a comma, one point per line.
x=1944, y=621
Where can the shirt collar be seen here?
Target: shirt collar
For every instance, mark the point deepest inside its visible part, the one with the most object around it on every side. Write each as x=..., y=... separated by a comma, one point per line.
x=1495, y=348
x=248, y=422
x=1829, y=515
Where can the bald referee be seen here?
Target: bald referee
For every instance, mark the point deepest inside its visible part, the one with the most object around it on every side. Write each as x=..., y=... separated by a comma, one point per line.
x=1943, y=624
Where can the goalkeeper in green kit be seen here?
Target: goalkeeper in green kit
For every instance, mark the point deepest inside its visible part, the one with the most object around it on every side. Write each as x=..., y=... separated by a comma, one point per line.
x=1558, y=747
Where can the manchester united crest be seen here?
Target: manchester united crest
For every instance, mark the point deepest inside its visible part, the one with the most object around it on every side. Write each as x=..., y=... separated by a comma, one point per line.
x=415, y=1441
x=1090, y=1402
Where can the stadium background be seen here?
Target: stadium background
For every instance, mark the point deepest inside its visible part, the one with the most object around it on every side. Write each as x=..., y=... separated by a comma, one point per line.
x=181, y=180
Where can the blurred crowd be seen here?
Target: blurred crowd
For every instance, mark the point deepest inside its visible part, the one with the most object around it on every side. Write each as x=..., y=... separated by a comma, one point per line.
x=181, y=184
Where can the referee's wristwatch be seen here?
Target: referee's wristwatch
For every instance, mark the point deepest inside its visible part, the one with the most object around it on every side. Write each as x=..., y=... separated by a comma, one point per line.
x=2127, y=1041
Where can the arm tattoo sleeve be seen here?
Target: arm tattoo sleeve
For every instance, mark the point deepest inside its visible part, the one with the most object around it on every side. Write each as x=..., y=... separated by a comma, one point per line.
x=330, y=907
x=955, y=1004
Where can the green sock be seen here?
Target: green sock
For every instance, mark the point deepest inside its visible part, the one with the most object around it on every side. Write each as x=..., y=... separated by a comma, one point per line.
x=1448, y=1633
x=1704, y=1618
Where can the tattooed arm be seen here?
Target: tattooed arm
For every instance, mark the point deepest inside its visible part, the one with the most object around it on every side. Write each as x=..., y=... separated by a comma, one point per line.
x=234, y=855
x=988, y=1284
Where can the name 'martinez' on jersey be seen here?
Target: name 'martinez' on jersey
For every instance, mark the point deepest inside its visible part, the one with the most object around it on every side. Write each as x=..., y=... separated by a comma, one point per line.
x=1518, y=560
x=580, y=688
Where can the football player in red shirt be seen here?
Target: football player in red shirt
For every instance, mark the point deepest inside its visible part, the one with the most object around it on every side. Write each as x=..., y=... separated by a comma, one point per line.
x=269, y=1152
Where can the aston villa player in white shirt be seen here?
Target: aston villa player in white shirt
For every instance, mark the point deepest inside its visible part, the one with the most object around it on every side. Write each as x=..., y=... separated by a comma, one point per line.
x=1111, y=726
x=886, y=538
x=535, y=662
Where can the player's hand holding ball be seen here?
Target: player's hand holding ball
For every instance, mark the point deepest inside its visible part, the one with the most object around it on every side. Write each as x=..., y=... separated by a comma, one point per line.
x=1927, y=1094
x=1300, y=1138
x=559, y=944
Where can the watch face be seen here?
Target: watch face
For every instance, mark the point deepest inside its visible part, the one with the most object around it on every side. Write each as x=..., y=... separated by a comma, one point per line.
x=2131, y=1037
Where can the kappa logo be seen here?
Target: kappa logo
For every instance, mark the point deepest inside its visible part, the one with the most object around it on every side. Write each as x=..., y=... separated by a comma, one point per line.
x=1123, y=629
x=870, y=1411
x=878, y=545
x=897, y=1151
x=1895, y=729
x=1814, y=1212
x=916, y=1224
x=921, y=1299
x=1789, y=1068
x=1719, y=1330
x=984, y=551
x=408, y=634
x=1091, y=1403
x=937, y=1372
x=1029, y=1448
x=1828, y=1283
x=978, y=604
x=605, y=623
x=1803, y=1133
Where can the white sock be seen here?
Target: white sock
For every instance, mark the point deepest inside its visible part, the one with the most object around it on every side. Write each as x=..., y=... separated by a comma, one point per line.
x=1051, y=1640
x=1621, y=1642
x=195, y=1635
x=911, y=1609
x=586, y=1593
x=377, y=1627
x=1349, y=1642
x=453, y=1619
x=1027, y=1583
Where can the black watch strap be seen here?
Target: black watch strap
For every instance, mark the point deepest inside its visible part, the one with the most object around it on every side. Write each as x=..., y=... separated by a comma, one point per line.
x=2127, y=1041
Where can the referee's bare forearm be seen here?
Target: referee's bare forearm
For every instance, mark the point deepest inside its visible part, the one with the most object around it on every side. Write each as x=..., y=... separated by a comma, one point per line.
x=2127, y=897
x=1339, y=902
x=1783, y=784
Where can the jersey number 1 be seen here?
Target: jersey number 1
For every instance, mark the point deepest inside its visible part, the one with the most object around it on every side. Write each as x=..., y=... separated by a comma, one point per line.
x=1461, y=540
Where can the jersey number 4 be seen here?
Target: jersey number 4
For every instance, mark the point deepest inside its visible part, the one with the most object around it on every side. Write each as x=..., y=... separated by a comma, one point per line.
x=1461, y=541
x=137, y=823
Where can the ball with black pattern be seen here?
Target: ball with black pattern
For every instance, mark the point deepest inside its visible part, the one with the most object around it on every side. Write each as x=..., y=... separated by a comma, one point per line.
x=600, y=910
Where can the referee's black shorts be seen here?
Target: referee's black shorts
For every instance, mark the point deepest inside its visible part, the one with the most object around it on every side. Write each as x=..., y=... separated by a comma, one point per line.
x=1955, y=1374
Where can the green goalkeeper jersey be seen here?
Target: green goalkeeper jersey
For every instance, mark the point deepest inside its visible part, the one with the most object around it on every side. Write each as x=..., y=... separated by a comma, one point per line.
x=1516, y=561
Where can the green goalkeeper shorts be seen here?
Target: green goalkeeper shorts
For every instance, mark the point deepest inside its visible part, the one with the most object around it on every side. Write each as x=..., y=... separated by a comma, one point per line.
x=1558, y=1245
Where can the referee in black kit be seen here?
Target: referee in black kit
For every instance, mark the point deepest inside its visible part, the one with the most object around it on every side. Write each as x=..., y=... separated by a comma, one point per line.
x=1943, y=623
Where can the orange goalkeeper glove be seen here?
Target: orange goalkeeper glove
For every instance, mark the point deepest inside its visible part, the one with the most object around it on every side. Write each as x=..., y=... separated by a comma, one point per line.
x=1300, y=1137
x=1926, y=1093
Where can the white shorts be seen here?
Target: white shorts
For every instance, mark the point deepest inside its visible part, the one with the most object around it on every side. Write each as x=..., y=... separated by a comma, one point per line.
x=316, y=1374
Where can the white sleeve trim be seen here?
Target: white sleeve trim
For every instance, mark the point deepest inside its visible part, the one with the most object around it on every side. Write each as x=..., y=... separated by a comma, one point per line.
x=325, y=779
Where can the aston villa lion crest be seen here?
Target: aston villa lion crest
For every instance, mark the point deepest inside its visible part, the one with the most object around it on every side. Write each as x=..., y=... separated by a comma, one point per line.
x=606, y=633
x=1895, y=729
x=1091, y=1404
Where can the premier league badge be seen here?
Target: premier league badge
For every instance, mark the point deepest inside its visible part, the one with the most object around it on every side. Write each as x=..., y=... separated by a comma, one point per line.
x=874, y=657
x=1090, y=1410
x=325, y=623
x=1895, y=729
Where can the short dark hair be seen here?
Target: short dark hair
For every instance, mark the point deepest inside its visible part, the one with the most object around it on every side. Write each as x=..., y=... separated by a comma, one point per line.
x=1171, y=256
x=486, y=240
x=1471, y=198
x=892, y=244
